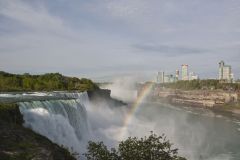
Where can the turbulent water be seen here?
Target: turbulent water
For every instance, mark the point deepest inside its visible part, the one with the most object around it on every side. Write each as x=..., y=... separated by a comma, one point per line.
x=63, y=121
x=198, y=133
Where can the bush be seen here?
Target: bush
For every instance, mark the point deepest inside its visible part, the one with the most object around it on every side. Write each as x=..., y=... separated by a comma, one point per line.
x=152, y=147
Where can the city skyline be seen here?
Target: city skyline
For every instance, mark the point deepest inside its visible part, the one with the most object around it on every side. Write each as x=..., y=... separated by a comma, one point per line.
x=225, y=74
x=107, y=39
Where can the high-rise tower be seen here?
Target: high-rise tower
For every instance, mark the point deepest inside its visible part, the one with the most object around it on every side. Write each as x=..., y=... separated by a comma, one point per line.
x=184, y=72
x=225, y=72
x=177, y=74
x=160, y=77
x=220, y=70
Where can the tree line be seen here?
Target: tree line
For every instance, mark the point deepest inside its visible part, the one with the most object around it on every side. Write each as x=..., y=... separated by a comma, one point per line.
x=45, y=82
x=210, y=84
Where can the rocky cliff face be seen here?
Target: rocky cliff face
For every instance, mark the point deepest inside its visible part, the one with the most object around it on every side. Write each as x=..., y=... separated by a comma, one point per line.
x=104, y=95
x=100, y=93
x=205, y=98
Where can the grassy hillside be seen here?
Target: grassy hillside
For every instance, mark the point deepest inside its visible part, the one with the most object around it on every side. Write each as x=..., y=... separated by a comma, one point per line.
x=45, y=82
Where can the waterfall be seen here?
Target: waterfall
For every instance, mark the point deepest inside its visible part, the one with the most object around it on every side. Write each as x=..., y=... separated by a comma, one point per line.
x=62, y=121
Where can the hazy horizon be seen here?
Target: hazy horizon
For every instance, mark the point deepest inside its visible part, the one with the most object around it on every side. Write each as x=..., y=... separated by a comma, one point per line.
x=115, y=38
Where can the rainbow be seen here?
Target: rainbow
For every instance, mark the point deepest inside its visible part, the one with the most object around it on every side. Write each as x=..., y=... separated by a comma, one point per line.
x=135, y=107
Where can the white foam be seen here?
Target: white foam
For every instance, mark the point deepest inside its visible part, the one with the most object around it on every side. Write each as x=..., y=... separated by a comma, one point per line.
x=62, y=121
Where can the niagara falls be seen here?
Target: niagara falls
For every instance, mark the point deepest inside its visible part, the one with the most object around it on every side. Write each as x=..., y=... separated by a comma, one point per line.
x=119, y=80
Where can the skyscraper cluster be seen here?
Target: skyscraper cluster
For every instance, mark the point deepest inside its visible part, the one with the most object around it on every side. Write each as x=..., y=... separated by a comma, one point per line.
x=162, y=77
x=166, y=78
x=225, y=74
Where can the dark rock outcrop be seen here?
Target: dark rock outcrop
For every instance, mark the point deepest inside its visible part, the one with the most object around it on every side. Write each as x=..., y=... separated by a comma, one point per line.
x=104, y=96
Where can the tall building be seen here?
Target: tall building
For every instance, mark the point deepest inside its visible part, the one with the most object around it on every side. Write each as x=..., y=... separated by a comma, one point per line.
x=169, y=78
x=232, y=78
x=184, y=72
x=160, y=77
x=177, y=74
x=220, y=70
x=165, y=78
x=157, y=79
x=225, y=72
x=193, y=76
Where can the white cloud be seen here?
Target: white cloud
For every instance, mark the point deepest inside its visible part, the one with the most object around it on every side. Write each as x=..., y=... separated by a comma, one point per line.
x=127, y=9
x=36, y=18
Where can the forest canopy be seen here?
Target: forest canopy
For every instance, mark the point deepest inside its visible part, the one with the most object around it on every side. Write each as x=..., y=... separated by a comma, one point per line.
x=202, y=84
x=45, y=82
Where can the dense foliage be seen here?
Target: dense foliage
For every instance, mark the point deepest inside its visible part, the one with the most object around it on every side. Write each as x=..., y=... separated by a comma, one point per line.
x=203, y=84
x=148, y=148
x=45, y=82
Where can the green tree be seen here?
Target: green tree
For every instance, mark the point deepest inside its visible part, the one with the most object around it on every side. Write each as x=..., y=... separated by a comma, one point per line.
x=152, y=147
x=45, y=82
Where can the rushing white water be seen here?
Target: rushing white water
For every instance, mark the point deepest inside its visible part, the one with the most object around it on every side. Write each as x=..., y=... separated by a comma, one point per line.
x=62, y=121
x=37, y=94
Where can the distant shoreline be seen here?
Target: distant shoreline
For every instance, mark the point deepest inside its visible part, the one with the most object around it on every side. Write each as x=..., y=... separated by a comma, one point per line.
x=218, y=110
x=217, y=100
x=233, y=113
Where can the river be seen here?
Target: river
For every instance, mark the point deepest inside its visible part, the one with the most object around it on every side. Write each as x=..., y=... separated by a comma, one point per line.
x=198, y=133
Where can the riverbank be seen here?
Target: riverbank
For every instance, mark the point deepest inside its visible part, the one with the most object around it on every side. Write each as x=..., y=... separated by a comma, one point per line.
x=216, y=100
x=231, y=109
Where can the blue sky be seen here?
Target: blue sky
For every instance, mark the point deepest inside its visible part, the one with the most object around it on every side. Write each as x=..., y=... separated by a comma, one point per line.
x=107, y=38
